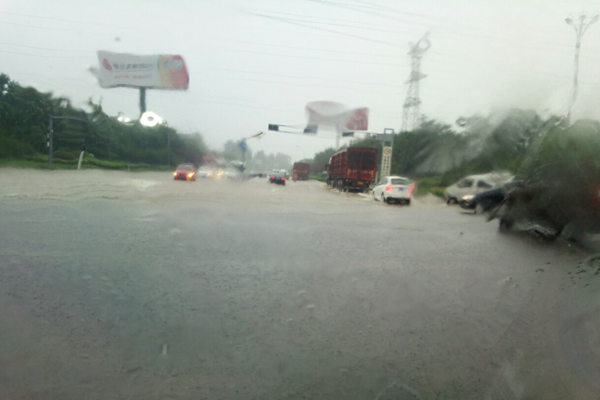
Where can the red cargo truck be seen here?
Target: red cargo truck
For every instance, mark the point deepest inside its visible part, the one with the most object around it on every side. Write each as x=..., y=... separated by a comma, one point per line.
x=353, y=169
x=300, y=171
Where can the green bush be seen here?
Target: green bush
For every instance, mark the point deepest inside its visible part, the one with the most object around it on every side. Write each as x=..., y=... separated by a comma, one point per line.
x=572, y=154
x=431, y=184
x=24, y=115
x=66, y=155
x=11, y=147
x=318, y=176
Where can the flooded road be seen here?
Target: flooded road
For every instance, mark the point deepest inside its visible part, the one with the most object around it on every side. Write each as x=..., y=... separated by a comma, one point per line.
x=132, y=286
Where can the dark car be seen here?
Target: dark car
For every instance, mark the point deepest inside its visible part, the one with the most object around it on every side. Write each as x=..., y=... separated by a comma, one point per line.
x=278, y=178
x=185, y=172
x=485, y=201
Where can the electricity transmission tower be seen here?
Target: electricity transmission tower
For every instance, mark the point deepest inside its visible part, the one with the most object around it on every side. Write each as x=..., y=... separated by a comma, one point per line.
x=411, y=113
x=581, y=25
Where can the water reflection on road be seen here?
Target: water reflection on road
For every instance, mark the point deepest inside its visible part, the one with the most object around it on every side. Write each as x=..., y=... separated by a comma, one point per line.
x=130, y=285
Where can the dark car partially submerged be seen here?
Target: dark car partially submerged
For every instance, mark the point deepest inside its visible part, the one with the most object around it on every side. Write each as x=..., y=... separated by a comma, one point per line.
x=486, y=201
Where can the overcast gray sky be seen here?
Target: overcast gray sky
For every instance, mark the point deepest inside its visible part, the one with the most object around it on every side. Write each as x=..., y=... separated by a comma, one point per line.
x=257, y=62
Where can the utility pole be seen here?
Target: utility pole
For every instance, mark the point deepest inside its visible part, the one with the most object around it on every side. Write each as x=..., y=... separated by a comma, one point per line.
x=411, y=113
x=581, y=25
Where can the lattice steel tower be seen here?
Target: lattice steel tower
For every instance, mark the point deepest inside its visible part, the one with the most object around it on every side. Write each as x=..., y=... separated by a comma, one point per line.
x=411, y=113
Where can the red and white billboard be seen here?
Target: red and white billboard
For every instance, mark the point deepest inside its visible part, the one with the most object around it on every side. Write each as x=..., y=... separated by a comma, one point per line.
x=166, y=71
x=358, y=119
x=337, y=115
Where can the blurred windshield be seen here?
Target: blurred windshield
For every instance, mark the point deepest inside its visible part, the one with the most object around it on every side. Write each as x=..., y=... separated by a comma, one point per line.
x=288, y=266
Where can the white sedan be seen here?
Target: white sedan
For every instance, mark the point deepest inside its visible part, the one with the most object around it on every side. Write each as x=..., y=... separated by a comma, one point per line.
x=394, y=189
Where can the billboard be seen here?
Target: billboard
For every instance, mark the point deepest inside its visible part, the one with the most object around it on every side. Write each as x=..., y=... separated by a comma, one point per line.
x=337, y=115
x=165, y=71
x=358, y=119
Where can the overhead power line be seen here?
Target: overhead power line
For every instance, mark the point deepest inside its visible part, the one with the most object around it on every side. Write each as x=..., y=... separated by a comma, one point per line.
x=313, y=49
x=314, y=20
x=71, y=21
x=344, y=60
x=309, y=26
x=46, y=48
x=37, y=55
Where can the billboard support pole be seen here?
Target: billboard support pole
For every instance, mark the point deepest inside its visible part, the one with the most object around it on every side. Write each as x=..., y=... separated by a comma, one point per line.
x=142, y=100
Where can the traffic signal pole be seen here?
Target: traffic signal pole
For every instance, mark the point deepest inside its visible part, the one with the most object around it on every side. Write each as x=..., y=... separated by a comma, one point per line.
x=50, y=141
x=50, y=135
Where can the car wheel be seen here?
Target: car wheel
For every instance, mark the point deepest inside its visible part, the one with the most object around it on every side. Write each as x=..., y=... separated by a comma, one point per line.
x=383, y=201
x=505, y=224
x=450, y=201
x=407, y=202
x=373, y=196
x=479, y=208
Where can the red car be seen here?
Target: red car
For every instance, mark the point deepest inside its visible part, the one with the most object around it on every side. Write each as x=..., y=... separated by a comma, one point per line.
x=185, y=172
x=277, y=177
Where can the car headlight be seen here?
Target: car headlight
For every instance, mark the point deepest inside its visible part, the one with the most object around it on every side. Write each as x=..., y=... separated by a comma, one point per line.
x=468, y=197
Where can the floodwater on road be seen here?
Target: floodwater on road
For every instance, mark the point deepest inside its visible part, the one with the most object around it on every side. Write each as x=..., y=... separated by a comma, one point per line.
x=133, y=286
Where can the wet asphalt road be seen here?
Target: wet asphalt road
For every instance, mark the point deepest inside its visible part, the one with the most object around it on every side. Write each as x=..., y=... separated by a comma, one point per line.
x=117, y=285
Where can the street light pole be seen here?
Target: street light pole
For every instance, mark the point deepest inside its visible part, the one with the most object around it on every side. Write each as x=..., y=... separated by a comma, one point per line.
x=580, y=27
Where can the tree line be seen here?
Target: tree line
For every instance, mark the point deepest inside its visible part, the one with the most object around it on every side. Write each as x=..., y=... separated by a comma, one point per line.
x=507, y=141
x=24, y=126
x=515, y=140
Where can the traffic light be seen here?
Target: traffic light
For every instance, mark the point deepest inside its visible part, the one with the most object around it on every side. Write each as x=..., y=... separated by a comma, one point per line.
x=273, y=127
x=348, y=134
x=311, y=129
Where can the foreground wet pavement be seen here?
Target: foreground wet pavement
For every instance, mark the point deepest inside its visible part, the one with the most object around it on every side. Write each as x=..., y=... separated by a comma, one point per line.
x=130, y=285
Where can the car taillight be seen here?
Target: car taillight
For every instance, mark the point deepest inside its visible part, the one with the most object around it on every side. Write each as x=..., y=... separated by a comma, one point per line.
x=411, y=188
x=283, y=179
x=388, y=188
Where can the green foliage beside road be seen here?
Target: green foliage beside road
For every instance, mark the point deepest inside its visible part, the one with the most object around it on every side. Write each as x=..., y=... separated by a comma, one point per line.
x=24, y=120
x=437, y=155
x=430, y=184
x=569, y=154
